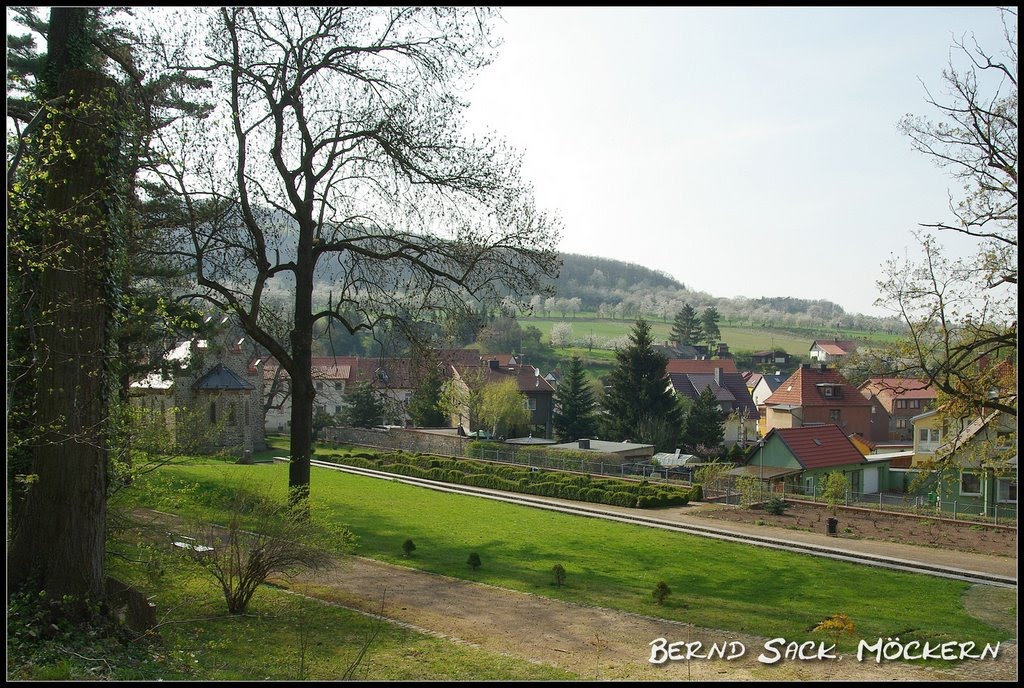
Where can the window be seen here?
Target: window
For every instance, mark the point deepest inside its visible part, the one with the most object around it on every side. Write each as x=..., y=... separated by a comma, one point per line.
x=901, y=423
x=901, y=403
x=232, y=419
x=834, y=415
x=828, y=391
x=337, y=410
x=531, y=404
x=915, y=403
x=337, y=385
x=1006, y=490
x=213, y=411
x=929, y=435
x=970, y=483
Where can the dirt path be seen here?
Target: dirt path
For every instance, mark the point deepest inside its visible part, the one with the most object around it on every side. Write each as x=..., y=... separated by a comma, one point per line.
x=594, y=643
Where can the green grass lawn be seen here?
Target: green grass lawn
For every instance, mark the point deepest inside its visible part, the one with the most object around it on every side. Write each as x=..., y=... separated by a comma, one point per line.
x=715, y=584
x=289, y=637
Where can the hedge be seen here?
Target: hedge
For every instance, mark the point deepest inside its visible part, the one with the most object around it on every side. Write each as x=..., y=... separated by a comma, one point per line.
x=582, y=488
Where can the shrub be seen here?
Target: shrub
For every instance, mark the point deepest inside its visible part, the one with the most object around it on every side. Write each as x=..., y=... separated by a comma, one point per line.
x=661, y=592
x=408, y=547
x=262, y=538
x=473, y=561
x=776, y=506
x=558, y=571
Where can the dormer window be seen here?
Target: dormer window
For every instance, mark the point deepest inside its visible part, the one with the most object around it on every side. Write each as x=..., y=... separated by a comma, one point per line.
x=830, y=391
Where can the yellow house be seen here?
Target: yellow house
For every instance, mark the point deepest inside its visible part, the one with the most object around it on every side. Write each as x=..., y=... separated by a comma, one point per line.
x=928, y=434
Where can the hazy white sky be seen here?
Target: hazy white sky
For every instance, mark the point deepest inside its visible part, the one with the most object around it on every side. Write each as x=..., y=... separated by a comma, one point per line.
x=744, y=151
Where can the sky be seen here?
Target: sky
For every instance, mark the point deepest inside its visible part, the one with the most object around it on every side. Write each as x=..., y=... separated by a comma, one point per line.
x=745, y=151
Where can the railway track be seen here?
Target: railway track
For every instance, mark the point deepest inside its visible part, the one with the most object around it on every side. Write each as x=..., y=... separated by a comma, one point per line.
x=688, y=528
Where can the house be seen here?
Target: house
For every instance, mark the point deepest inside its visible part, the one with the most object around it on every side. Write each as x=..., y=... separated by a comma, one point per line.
x=818, y=395
x=770, y=358
x=981, y=457
x=831, y=350
x=705, y=365
x=895, y=401
x=673, y=350
x=802, y=457
x=538, y=391
x=763, y=388
x=730, y=391
x=211, y=395
x=334, y=377
x=750, y=379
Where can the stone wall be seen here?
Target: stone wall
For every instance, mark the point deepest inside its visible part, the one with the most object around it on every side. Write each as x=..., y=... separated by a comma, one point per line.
x=402, y=439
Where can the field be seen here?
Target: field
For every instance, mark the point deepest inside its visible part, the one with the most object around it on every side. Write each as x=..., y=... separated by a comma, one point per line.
x=615, y=565
x=740, y=339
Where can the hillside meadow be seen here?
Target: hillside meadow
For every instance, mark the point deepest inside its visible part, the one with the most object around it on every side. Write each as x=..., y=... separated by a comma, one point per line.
x=717, y=585
x=741, y=339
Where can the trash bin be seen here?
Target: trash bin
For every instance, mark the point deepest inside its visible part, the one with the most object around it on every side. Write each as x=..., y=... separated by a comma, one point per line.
x=832, y=524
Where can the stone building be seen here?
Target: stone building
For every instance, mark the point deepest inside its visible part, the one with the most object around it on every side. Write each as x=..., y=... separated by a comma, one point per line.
x=211, y=395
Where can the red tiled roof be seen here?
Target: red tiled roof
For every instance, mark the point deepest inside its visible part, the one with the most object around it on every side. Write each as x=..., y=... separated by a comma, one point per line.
x=898, y=388
x=819, y=446
x=801, y=389
x=684, y=365
x=835, y=346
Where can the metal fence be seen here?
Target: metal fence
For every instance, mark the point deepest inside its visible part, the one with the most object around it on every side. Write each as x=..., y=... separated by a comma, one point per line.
x=638, y=470
x=1001, y=513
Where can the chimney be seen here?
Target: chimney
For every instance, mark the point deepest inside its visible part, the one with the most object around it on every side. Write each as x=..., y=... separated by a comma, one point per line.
x=584, y=444
x=718, y=376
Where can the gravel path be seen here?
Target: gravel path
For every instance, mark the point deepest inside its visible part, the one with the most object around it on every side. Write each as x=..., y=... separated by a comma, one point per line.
x=594, y=643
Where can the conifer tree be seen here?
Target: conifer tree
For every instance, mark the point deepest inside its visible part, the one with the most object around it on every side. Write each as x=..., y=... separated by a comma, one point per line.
x=687, y=330
x=575, y=406
x=638, y=397
x=705, y=424
x=709, y=324
x=365, y=407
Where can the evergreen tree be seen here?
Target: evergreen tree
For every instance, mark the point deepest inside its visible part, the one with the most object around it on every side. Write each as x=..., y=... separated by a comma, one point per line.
x=687, y=329
x=709, y=323
x=575, y=406
x=705, y=424
x=424, y=407
x=364, y=407
x=638, y=397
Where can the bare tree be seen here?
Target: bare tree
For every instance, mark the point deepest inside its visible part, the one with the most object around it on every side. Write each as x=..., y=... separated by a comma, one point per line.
x=962, y=312
x=337, y=156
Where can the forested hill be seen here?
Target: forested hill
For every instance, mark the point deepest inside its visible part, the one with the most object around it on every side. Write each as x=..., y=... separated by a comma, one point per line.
x=614, y=288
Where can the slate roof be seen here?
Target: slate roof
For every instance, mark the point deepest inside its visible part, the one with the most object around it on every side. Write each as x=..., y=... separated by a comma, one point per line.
x=707, y=365
x=731, y=392
x=801, y=389
x=816, y=446
x=222, y=378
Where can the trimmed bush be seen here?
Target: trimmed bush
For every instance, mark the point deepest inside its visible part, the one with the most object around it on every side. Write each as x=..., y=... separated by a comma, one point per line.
x=408, y=547
x=558, y=572
x=474, y=561
x=661, y=592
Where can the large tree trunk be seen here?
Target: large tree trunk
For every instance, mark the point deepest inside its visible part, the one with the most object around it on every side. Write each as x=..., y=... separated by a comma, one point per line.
x=303, y=392
x=58, y=544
